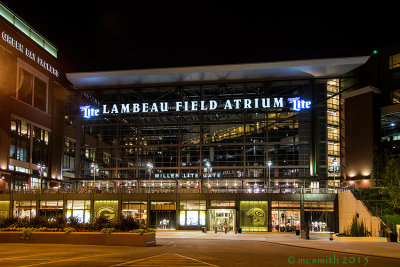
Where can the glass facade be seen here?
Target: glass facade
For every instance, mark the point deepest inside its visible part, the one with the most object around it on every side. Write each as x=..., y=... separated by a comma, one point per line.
x=192, y=213
x=24, y=208
x=285, y=216
x=51, y=209
x=4, y=208
x=163, y=215
x=319, y=215
x=195, y=146
x=79, y=209
x=29, y=147
x=219, y=219
x=135, y=209
x=31, y=89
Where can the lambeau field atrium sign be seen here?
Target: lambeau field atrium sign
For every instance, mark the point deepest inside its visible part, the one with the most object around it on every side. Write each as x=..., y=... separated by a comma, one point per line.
x=296, y=103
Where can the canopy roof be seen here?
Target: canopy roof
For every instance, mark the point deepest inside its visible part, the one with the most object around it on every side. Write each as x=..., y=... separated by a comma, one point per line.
x=316, y=68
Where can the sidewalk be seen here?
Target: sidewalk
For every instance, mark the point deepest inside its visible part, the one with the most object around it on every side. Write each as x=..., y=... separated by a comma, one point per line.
x=316, y=241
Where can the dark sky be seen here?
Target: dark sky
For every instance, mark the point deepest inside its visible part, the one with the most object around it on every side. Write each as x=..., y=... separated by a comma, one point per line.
x=114, y=35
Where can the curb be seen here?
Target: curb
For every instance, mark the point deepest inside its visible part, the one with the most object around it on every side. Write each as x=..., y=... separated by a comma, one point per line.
x=331, y=250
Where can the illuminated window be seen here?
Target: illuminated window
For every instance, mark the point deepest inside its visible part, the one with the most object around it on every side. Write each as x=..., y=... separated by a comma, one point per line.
x=79, y=209
x=394, y=61
x=396, y=97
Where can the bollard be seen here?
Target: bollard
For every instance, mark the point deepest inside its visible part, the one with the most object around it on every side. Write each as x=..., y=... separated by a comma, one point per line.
x=236, y=230
x=215, y=229
x=226, y=229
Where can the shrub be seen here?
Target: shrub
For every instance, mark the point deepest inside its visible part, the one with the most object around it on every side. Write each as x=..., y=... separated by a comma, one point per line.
x=8, y=221
x=59, y=222
x=126, y=224
x=102, y=222
x=22, y=222
x=73, y=223
x=107, y=230
x=38, y=221
x=26, y=233
x=141, y=231
x=357, y=229
x=69, y=230
x=87, y=227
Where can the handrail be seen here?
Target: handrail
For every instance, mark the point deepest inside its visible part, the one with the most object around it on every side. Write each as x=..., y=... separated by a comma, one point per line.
x=281, y=190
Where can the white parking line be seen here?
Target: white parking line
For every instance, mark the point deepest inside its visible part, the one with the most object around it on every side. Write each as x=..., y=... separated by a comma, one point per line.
x=166, y=260
x=72, y=259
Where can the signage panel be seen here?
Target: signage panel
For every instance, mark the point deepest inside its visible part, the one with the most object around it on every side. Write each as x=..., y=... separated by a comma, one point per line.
x=296, y=103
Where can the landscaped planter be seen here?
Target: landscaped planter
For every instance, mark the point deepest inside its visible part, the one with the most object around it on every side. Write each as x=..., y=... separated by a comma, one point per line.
x=82, y=238
x=360, y=239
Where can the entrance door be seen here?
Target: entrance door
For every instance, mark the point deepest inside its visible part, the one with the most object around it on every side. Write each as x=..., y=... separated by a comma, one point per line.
x=220, y=218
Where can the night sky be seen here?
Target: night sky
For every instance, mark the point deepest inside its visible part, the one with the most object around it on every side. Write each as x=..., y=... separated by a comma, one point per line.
x=115, y=35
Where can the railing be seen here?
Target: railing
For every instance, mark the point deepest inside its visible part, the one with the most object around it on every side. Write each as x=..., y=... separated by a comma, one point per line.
x=280, y=190
x=376, y=206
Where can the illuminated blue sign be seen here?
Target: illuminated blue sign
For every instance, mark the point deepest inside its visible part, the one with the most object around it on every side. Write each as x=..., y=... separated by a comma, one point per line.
x=299, y=104
x=89, y=112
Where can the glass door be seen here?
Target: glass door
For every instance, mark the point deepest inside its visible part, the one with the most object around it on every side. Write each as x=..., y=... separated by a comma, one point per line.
x=221, y=218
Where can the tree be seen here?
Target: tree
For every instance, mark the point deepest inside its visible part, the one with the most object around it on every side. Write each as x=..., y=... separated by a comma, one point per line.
x=391, y=176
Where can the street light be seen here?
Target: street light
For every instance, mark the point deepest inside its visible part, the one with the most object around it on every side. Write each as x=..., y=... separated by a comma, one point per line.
x=269, y=174
x=149, y=168
x=95, y=167
x=41, y=167
x=334, y=164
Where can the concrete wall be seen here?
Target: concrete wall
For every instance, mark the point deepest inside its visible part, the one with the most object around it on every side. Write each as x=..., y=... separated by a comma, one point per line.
x=350, y=206
x=362, y=121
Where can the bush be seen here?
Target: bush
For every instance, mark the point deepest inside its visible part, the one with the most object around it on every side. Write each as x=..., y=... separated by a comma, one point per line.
x=59, y=222
x=69, y=230
x=6, y=222
x=26, y=233
x=73, y=223
x=38, y=221
x=107, y=230
x=102, y=222
x=141, y=231
x=357, y=229
x=126, y=224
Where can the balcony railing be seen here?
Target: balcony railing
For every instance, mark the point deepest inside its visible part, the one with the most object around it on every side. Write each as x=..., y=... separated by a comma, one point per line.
x=280, y=190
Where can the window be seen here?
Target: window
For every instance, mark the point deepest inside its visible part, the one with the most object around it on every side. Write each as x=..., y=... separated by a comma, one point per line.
x=25, y=208
x=32, y=89
x=21, y=145
x=40, y=145
x=135, y=209
x=51, y=209
x=79, y=209
x=20, y=140
x=25, y=86
x=222, y=203
x=40, y=94
x=396, y=97
x=4, y=208
x=394, y=61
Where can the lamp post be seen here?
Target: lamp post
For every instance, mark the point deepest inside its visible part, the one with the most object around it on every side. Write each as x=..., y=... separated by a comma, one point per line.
x=334, y=164
x=41, y=167
x=149, y=168
x=269, y=174
x=94, y=166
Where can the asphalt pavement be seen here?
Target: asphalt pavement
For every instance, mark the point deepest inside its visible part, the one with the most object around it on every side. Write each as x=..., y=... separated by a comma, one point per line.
x=197, y=249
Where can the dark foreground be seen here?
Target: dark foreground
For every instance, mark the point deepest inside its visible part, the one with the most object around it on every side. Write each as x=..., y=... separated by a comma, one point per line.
x=183, y=252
